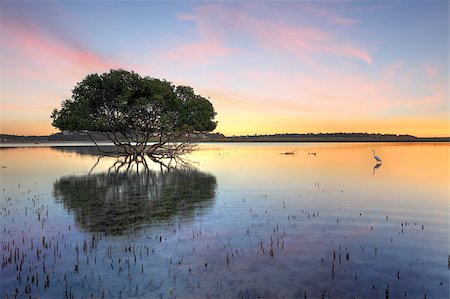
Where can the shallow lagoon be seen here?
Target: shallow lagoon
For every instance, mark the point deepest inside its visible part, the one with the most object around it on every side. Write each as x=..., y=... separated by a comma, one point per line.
x=243, y=220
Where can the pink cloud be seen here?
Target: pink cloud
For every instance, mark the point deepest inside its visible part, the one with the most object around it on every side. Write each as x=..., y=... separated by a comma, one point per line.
x=47, y=55
x=343, y=21
x=215, y=22
x=393, y=69
x=185, y=17
x=331, y=95
x=437, y=97
x=431, y=70
x=435, y=94
x=228, y=32
x=354, y=52
x=330, y=15
x=200, y=52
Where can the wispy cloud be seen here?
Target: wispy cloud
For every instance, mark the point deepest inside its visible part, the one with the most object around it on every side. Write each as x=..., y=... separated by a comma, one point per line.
x=199, y=52
x=432, y=70
x=185, y=17
x=330, y=15
x=37, y=52
x=35, y=43
x=393, y=69
x=232, y=25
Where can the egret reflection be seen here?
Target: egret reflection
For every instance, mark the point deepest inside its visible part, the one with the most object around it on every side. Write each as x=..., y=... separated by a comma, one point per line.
x=375, y=167
x=115, y=202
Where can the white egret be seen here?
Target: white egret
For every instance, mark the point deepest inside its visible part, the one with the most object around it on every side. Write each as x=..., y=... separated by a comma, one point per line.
x=376, y=157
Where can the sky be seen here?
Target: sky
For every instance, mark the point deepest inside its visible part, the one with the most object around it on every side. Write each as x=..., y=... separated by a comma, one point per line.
x=267, y=66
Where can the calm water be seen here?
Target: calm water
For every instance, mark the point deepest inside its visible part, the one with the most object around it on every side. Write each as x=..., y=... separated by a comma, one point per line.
x=242, y=220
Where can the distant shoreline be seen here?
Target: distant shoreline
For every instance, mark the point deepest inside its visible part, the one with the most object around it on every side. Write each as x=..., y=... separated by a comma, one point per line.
x=331, y=140
x=80, y=137
x=243, y=140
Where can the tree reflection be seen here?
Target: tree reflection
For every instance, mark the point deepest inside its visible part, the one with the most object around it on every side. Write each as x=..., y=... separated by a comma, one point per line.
x=117, y=201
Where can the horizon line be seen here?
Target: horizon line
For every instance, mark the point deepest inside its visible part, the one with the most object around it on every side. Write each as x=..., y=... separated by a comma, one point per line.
x=270, y=134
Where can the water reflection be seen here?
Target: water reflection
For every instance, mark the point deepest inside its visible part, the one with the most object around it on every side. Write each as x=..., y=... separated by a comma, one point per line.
x=375, y=167
x=110, y=150
x=280, y=226
x=115, y=202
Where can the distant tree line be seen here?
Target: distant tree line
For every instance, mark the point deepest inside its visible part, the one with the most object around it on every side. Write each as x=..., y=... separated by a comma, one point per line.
x=336, y=135
x=367, y=137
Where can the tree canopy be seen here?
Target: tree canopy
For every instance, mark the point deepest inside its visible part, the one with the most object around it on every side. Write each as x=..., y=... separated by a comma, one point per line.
x=131, y=110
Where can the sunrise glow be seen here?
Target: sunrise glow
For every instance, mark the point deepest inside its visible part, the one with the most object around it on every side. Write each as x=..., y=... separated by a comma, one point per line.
x=268, y=67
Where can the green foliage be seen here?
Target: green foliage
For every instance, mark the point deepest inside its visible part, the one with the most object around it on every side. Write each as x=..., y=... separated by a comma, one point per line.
x=122, y=101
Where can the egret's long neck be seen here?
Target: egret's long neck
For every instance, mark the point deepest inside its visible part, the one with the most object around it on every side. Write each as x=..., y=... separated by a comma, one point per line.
x=373, y=153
